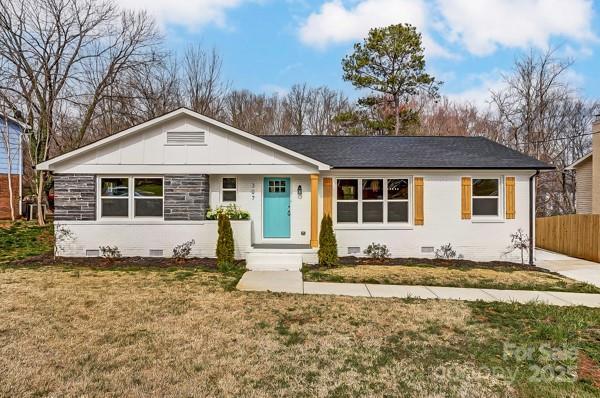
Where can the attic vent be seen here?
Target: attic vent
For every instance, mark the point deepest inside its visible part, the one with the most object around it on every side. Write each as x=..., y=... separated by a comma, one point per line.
x=155, y=253
x=186, y=137
x=427, y=249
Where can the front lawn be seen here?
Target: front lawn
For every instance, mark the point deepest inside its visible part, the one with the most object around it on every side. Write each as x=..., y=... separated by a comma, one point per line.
x=24, y=239
x=78, y=331
x=501, y=277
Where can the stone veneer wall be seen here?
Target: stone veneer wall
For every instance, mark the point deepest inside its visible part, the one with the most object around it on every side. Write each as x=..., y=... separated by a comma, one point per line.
x=186, y=196
x=74, y=197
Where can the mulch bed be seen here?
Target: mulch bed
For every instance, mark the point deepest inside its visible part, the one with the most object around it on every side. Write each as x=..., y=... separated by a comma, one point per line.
x=47, y=259
x=505, y=265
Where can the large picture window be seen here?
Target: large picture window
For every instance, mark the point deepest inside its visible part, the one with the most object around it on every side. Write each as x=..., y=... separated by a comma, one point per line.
x=486, y=196
x=131, y=197
x=372, y=200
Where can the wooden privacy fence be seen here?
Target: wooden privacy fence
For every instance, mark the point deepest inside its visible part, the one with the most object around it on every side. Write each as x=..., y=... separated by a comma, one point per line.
x=576, y=235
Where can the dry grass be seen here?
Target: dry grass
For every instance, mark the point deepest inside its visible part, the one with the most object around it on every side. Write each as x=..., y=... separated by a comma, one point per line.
x=83, y=332
x=446, y=276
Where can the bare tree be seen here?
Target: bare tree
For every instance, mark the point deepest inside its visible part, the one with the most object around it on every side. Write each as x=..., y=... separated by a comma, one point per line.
x=60, y=58
x=542, y=116
x=203, y=83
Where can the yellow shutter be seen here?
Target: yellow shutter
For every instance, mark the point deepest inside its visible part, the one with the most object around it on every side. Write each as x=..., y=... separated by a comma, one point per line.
x=327, y=196
x=419, y=212
x=466, y=198
x=510, y=197
x=314, y=211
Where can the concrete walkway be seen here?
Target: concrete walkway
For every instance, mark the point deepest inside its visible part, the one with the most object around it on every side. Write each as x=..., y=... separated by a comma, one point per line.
x=291, y=282
x=571, y=267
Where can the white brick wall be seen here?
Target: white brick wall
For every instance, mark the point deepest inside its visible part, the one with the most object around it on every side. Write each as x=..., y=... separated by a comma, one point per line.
x=137, y=239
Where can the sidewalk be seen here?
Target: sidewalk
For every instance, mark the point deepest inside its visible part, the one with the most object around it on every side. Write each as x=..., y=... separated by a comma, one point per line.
x=571, y=267
x=291, y=282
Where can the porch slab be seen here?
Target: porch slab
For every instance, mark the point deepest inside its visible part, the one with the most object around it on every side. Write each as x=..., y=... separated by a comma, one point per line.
x=338, y=289
x=271, y=281
x=525, y=296
x=400, y=291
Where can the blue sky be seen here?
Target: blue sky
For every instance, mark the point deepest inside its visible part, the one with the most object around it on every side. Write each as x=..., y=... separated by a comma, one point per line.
x=268, y=45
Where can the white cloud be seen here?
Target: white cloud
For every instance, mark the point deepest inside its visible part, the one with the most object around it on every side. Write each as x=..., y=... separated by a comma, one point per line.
x=484, y=25
x=335, y=23
x=192, y=14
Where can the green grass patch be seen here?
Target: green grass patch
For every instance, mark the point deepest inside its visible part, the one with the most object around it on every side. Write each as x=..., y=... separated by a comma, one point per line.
x=22, y=239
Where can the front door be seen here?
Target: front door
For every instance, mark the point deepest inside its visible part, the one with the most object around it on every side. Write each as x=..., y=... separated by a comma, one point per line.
x=276, y=207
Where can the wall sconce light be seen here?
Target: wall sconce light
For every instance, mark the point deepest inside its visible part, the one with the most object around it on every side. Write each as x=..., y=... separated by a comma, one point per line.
x=299, y=191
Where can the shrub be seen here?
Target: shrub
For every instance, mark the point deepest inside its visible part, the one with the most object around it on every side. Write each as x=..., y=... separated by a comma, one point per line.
x=519, y=241
x=183, y=250
x=327, y=243
x=110, y=252
x=232, y=211
x=446, y=252
x=377, y=251
x=225, y=248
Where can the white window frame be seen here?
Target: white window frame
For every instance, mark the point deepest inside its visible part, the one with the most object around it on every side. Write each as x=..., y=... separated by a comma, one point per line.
x=498, y=197
x=385, y=201
x=223, y=189
x=130, y=198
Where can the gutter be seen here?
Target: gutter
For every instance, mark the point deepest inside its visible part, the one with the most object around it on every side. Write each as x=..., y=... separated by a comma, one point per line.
x=532, y=215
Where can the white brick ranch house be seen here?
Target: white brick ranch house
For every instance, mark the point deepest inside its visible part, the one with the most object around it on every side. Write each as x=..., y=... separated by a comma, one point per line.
x=148, y=188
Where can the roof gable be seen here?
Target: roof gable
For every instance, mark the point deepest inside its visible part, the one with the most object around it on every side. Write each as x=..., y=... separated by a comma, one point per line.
x=122, y=148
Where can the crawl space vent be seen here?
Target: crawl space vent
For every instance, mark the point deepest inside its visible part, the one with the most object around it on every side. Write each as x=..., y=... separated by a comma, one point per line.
x=92, y=253
x=353, y=250
x=426, y=249
x=186, y=138
x=156, y=253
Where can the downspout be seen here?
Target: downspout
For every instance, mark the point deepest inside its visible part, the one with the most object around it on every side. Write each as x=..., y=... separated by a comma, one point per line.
x=532, y=215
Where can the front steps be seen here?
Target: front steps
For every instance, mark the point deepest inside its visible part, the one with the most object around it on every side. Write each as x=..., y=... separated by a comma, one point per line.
x=279, y=259
x=273, y=262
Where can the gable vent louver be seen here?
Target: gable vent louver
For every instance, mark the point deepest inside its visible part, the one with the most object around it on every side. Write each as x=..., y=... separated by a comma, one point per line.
x=186, y=138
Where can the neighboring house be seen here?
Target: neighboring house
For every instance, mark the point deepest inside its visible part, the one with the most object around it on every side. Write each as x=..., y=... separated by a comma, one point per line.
x=10, y=133
x=587, y=176
x=148, y=188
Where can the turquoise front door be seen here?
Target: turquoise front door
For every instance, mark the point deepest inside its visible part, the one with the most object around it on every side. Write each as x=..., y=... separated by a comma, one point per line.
x=276, y=207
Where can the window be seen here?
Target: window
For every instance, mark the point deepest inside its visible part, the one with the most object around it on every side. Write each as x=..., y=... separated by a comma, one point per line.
x=277, y=186
x=118, y=199
x=486, y=196
x=114, y=197
x=229, y=189
x=148, y=197
x=347, y=201
x=379, y=200
x=397, y=195
x=372, y=196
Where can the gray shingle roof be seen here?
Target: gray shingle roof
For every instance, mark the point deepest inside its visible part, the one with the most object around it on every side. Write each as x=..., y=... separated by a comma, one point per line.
x=413, y=152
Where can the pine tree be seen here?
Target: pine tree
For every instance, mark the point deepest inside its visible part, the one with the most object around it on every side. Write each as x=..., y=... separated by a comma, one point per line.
x=327, y=243
x=225, y=247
